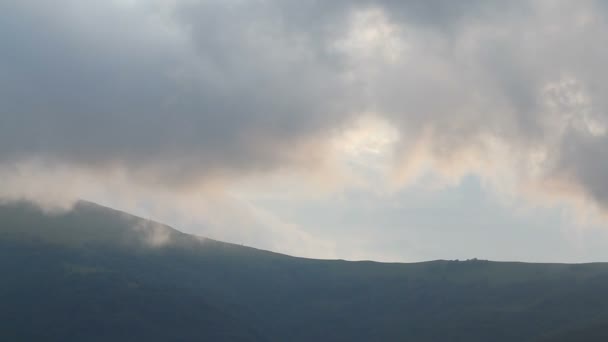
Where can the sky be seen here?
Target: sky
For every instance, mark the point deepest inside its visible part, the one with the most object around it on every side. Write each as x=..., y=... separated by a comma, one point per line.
x=364, y=129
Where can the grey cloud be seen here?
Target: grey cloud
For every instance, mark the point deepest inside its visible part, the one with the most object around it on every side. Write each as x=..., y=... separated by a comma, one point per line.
x=197, y=87
x=216, y=91
x=583, y=161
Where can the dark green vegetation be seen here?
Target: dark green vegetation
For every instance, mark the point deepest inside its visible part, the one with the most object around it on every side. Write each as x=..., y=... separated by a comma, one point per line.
x=95, y=274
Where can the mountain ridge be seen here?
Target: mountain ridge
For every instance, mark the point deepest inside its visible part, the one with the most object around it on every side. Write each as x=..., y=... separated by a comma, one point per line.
x=89, y=205
x=118, y=284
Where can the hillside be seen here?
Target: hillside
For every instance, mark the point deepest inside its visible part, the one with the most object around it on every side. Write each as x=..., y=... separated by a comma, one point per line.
x=97, y=274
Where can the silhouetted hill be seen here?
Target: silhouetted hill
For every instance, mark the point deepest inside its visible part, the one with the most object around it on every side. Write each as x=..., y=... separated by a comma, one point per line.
x=97, y=274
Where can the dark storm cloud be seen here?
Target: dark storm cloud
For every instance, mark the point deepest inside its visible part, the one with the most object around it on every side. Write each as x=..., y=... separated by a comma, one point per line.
x=183, y=89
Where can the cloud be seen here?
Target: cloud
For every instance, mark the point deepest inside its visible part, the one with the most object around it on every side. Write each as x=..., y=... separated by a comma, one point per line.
x=163, y=95
x=153, y=234
x=170, y=94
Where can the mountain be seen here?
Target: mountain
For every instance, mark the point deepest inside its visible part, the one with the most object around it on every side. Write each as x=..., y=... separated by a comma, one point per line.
x=97, y=274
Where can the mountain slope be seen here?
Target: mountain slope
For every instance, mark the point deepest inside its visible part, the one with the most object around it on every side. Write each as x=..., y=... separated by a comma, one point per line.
x=96, y=273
